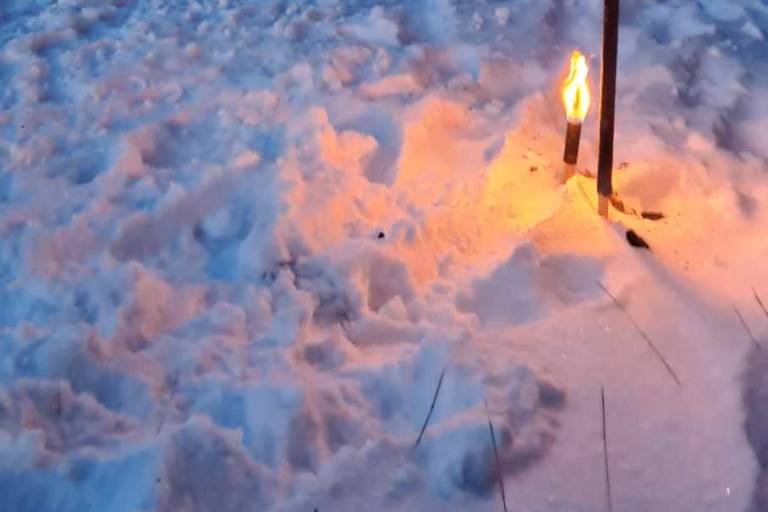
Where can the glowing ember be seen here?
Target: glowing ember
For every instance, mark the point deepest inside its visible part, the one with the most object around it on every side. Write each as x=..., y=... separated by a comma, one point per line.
x=576, y=91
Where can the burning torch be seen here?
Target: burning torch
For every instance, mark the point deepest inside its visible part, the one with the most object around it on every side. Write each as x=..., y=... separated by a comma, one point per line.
x=576, y=98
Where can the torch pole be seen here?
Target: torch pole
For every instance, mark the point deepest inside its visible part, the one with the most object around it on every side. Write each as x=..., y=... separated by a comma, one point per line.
x=607, y=104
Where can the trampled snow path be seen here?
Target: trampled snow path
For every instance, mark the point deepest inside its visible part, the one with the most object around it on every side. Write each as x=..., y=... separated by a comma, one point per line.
x=671, y=447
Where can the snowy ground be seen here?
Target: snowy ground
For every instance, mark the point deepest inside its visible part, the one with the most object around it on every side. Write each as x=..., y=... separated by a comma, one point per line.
x=240, y=241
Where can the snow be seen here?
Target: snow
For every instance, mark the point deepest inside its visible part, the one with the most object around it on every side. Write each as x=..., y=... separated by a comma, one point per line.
x=240, y=242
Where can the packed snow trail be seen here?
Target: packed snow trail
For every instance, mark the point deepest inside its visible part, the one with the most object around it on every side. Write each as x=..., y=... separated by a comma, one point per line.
x=671, y=447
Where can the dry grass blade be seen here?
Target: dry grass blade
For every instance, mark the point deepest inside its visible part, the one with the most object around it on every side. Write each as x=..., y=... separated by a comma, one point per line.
x=608, y=496
x=497, y=458
x=173, y=384
x=642, y=333
x=431, y=408
x=760, y=302
x=584, y=193
x=59, y=401
x=746, y=328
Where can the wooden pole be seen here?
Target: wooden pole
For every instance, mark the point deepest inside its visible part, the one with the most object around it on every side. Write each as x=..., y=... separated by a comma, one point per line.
x=607, y=104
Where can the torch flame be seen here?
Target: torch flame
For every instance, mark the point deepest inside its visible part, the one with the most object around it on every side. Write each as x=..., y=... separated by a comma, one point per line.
x=576, y=91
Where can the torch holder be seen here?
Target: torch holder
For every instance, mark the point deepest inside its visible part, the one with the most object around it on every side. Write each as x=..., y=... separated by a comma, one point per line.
x=571, y=154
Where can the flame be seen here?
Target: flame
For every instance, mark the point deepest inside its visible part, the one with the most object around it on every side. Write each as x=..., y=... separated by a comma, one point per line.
x=576, y=90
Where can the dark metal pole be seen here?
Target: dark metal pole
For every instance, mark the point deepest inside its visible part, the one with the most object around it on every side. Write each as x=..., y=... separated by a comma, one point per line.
x=607, y=104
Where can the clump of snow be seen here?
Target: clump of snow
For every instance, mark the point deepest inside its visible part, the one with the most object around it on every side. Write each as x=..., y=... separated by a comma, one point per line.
x=460, y=456
x=722, y=11
x=752, y=30
x=206, y=468
x=65, y=422
x=502, y=16
x=376, y=28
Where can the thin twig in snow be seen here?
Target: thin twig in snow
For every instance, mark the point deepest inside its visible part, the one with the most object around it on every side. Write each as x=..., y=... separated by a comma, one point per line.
x=59, y=404
x=174, y=381
x=344, y=323
x=746, y=327
x=431, y=407
x=760, y=303
x=608, y=496
x=584, y=193
x=642, y=333
x=498, y=459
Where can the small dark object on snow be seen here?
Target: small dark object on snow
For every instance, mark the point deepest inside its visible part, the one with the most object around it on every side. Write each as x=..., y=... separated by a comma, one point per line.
x=619, y=204
x=550, y=396
x=636, y=241
x=381, y=235
x=652, y=215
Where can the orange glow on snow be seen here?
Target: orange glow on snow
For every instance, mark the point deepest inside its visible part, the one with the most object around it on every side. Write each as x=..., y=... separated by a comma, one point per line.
x=576, y=90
